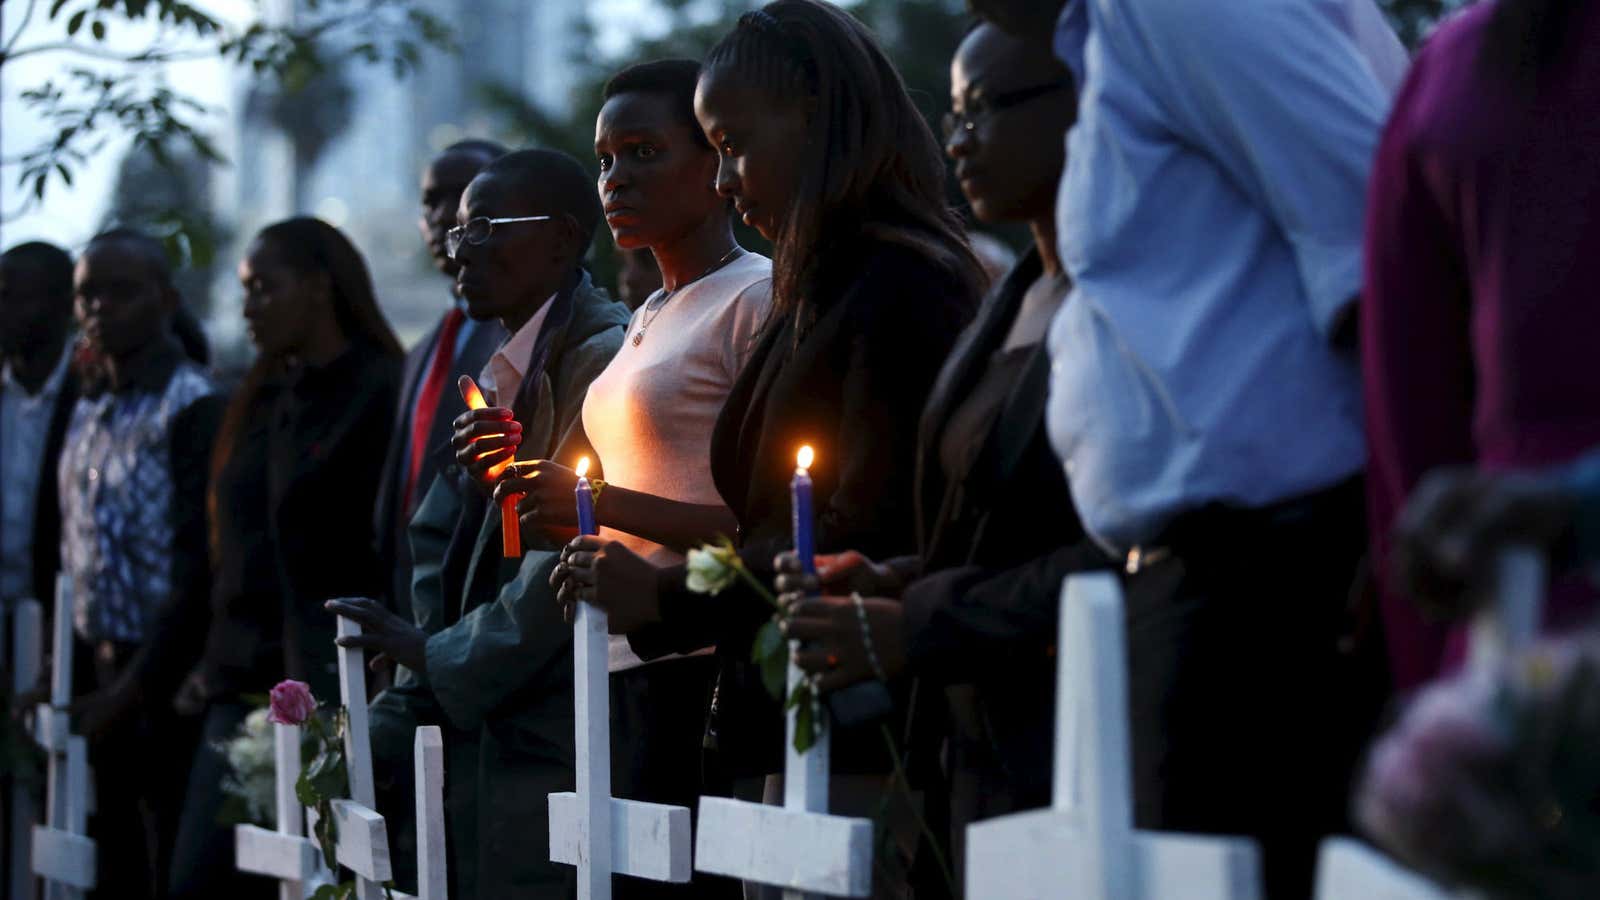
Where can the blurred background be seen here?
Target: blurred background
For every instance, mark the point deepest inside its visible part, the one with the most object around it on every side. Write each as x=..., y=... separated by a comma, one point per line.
x=205, y=121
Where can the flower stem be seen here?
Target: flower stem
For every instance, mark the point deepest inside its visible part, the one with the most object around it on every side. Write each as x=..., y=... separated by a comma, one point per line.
x=922, y=821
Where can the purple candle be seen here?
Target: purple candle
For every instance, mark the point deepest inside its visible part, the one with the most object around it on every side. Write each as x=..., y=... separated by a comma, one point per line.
x=585, y=500
x=800, y=496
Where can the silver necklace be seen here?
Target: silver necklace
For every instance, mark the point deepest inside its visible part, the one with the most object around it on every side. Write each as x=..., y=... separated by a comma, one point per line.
x=654, y=305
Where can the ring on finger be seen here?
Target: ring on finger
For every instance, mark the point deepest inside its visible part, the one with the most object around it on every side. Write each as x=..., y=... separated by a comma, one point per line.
x=833, y=661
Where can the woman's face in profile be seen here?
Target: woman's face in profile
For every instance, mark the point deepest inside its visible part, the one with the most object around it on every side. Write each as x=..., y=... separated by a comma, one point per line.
x=760, y=141
x=278, y=302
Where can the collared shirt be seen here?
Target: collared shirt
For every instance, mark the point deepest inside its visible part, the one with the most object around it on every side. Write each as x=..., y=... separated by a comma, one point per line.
x=117, y=503
x=507, y=367
x=1211, y=218
x=24, y=429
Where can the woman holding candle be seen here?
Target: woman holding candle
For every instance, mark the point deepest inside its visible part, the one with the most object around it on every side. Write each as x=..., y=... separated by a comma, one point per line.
x=293, y=479
x=648, y=416
x=973, y=612
x=823, y=152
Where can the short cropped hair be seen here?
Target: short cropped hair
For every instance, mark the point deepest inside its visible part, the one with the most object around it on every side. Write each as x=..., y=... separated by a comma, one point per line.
x=553, y=181
x=674, y=79
x=52, y=264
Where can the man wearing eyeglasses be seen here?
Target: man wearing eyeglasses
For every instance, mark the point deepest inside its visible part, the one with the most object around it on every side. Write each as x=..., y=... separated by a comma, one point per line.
x=429, y=402
x=488, y=657
x=1205, y=394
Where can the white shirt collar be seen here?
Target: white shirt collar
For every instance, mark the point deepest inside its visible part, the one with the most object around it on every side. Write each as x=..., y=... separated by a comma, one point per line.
x=52, y=385
x=507, y=367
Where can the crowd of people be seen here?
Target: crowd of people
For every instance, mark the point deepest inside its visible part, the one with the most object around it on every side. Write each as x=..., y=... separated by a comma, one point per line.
x=1282, y=281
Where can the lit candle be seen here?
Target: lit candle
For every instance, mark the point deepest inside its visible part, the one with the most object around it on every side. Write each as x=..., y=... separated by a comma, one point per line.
x=510, y=527
x=585, y=500
x=474, y=399
x=800, y=500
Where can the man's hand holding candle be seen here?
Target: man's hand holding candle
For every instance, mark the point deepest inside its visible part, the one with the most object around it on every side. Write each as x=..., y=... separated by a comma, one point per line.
x=393, y=637
x=610, y=577
x=485, y=438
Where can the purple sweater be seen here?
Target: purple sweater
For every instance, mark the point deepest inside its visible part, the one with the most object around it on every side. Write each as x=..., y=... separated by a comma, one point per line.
x=1481, y=312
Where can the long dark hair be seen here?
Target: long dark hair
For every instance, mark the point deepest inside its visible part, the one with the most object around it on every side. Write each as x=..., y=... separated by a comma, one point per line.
x=307, y=246
x=873, y=168
x=1527, y=36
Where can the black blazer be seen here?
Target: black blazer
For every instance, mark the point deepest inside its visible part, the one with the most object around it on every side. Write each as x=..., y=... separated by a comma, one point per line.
x=995, y=543
x=850, y=383
x=296, y=532
x=389, y=520
x=47, y=502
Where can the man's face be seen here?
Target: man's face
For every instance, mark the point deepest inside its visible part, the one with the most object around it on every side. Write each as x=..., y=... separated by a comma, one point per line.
x=442, y=184
x=29, y=316
x=121, y=305
x=1022, y=18
x=511, y=274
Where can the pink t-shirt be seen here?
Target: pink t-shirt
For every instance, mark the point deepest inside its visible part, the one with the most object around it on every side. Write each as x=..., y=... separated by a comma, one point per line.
x=650, y=414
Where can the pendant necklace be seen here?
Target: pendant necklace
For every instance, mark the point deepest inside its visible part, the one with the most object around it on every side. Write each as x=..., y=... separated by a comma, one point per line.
x=654, y=305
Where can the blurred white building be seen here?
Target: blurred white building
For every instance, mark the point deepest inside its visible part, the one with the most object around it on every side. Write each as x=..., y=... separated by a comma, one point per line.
x=365, y=179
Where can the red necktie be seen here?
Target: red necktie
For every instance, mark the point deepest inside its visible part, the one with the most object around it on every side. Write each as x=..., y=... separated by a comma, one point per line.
x=428, y=399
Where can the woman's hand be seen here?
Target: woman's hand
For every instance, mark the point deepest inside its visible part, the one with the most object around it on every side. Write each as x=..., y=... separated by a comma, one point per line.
x=485, y=439
x=547, y=490
x=1458, y=520
x=610, y=577
x=839, y=573
x=829, y=631
x=394, y=638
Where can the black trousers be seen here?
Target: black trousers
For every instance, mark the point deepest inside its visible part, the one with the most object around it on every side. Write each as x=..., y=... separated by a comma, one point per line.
x=1247, y=716
x=658, y=720
x=137, y=769
x=202, y=860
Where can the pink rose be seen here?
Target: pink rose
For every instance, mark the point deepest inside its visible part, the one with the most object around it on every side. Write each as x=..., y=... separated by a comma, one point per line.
x=292, y=703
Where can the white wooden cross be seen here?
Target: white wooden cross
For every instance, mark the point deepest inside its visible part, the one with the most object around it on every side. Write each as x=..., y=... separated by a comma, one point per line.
x=1085, y=845
x=1348, y=869
x=286, y=853
x=62, y=853
x=26, y=658
x=362, y=844
x=363, y=840
x=797, y=846
x=589, y=828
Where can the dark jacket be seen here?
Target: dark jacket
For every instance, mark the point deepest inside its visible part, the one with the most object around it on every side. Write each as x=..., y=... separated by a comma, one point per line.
x=389, y=519
x=499, y=657
x=995, y=544
x=293, y=522
x=850, y=384
x=47, y=504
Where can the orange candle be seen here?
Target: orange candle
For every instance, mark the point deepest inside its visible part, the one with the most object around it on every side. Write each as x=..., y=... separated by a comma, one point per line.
x=510, y=527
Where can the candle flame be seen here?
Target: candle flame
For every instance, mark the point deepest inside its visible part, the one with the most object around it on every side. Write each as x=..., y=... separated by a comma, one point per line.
x=471, y=394
x=583, y=467
x=805, y=457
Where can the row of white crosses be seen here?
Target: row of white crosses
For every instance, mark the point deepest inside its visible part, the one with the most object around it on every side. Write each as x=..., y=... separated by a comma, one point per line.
x=362, y=842
x=1085, y=845
x=63, y=855
x=1349, y=869
x=25, y=660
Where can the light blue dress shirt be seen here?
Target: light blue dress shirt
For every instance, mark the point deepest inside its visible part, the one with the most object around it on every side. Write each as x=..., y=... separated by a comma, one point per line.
x=1211, y=219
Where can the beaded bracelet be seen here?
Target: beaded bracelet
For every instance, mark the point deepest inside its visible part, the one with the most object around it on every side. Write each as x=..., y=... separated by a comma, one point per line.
x=866, y=639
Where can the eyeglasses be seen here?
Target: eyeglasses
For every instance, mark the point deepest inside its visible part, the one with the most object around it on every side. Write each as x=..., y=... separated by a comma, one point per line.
x=982, y=108
x=476, y=231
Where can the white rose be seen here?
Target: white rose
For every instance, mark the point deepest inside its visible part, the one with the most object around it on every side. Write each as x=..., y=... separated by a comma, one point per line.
x=711, y=569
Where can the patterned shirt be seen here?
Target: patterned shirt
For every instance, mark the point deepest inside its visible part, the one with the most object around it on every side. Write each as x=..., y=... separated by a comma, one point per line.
x=117, y=499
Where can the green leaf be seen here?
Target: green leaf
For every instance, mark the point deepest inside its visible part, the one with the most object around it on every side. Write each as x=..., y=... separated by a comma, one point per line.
x=805, y=724
x=76, y=22
x=771, y=653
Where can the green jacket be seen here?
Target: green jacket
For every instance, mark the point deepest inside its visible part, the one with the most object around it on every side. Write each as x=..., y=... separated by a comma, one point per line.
x=499, y=676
